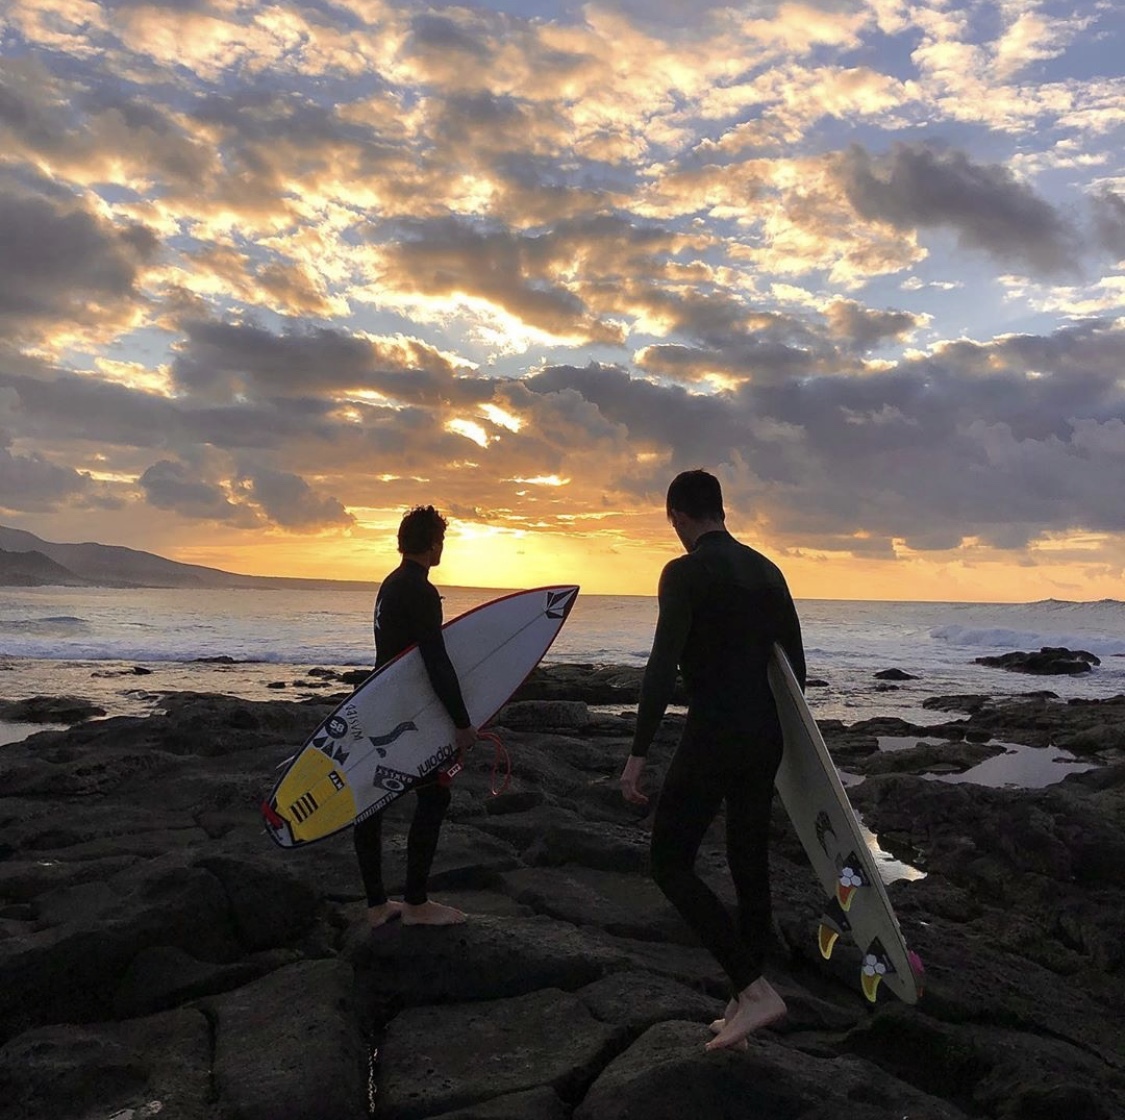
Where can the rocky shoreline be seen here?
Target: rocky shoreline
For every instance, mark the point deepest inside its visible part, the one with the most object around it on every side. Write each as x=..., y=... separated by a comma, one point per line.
x=159, y=956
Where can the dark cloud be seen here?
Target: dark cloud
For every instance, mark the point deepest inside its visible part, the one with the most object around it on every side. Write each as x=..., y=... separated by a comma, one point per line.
x=228, y=359
x=656, y=417
x=289, y=501
x=64, y=406
x=1109, y=222
x=861, y=328
x=916, y=186
x=31, y=483
x=439, y=35
x=176, y=486
x=742, y=343
x=222, y=361
x=963, y=442
x=515, y=271
x=64, y=265
x=87, y=123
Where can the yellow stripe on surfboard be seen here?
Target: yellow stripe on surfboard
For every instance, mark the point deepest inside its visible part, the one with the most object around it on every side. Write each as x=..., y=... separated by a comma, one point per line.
x=315, y=798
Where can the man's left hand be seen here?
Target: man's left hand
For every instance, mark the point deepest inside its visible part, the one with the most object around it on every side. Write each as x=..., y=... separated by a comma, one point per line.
x=631, y=780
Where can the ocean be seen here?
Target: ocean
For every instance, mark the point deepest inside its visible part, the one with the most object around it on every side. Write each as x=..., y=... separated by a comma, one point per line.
x=89, y=642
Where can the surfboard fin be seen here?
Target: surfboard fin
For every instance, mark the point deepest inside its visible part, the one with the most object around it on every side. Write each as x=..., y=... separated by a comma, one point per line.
x=827, y=938
x=833, y=924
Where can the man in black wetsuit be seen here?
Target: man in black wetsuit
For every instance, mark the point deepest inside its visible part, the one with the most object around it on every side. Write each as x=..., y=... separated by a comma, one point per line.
x=722, y=607
x=408, y=612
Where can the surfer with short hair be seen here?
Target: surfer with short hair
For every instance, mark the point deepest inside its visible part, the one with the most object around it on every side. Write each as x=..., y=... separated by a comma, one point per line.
x=408, y=612
x=721, y=609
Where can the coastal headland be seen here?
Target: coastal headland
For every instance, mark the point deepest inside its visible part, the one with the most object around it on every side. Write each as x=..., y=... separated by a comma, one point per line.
x=158, y=955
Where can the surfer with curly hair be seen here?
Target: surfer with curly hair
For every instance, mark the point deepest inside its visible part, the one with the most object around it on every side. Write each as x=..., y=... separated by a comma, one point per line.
x=721, y=609
x=408, y=612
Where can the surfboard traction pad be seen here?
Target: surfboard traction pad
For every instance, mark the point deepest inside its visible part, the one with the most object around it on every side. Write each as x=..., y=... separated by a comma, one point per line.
x=854, y=878
x=314, y=799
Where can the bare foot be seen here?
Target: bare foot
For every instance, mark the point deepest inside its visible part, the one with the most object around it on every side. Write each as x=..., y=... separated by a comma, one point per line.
x=431, y=914
x=718, y=1024
x=758, y=1006
x=380, y=915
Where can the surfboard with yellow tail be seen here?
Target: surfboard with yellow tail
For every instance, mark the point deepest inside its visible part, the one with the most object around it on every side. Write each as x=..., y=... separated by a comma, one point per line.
x=393, y=730
x=826, y=824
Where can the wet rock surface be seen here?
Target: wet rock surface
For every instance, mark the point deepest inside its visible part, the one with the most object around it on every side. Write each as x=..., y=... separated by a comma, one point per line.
x=1048, y=661
x=49, y=709
x=159, y=956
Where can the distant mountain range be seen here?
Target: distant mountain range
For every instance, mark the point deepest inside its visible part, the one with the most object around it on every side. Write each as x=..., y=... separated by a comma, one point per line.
x=28, y=561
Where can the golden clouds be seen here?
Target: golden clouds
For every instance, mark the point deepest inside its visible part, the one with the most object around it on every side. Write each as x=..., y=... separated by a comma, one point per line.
x=796, y=28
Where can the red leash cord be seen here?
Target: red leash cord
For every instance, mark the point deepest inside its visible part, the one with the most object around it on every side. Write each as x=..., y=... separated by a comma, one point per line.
x=446, y=776
x=500, y=749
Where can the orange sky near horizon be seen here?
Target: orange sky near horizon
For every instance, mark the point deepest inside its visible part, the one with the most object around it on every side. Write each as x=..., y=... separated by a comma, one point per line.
x=613, y=563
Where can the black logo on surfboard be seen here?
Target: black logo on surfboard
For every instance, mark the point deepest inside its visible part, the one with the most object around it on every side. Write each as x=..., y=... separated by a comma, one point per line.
x=560, y=602
x=393, y=781
x=824, y=829
x=391, y=736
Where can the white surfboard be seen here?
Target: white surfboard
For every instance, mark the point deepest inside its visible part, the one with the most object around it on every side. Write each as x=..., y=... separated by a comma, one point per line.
x=823, y=818
x=393, y=730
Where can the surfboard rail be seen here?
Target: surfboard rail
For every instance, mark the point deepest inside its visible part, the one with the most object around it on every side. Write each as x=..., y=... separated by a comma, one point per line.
x=824, y=820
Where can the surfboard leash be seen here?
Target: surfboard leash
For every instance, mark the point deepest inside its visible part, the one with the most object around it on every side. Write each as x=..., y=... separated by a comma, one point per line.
x=499, y=750
x=446, y=776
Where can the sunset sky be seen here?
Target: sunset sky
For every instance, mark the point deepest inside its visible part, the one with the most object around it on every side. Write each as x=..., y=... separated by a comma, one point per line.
x=270, y=273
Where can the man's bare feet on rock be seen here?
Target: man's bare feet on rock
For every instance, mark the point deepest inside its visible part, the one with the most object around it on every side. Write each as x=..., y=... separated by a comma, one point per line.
x=431, y=913
x=718, y=1024
x=380, y=915
x=758, y=1006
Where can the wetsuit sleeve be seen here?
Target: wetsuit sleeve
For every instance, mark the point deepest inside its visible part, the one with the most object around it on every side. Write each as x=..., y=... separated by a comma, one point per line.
x=439, y=668
x=791, y=641
x=672, y=627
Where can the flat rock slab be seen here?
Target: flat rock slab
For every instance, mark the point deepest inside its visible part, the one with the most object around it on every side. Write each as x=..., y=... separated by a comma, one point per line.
x=627, y=905
x=165, y=976
x=544, y=715
x=667, y=1075
x=288, y=1045
x=139, y=1067
x=542, y=1104
x=548, y=835
x=991, y=1071
x=689, y=964
x=639, y=1000
x=437, y=1059
x=487, y=957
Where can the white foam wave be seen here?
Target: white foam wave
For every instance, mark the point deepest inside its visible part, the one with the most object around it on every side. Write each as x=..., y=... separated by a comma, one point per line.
x=996, y=637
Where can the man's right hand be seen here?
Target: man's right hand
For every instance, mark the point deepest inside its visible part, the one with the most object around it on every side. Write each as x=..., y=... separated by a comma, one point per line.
x=631, y=780
x=464, y=737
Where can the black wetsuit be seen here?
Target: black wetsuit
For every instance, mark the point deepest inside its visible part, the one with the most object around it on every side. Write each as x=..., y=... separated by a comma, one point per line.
x=722, y=607
x=408, y=612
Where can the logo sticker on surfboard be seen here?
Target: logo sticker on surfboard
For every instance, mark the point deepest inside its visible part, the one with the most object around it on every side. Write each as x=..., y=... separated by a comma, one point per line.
x=560, y=602
x=394, y=781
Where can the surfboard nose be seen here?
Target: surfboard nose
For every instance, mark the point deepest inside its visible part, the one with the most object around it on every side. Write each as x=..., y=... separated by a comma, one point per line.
x=560, y=600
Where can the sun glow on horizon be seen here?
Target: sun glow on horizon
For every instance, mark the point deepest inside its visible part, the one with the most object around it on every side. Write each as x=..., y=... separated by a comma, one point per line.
x=607, y=562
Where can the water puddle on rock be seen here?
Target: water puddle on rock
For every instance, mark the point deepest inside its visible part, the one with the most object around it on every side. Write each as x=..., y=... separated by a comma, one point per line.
x=13, y=732
x=1020, y=767
x=905, y=742
x=890, y=868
